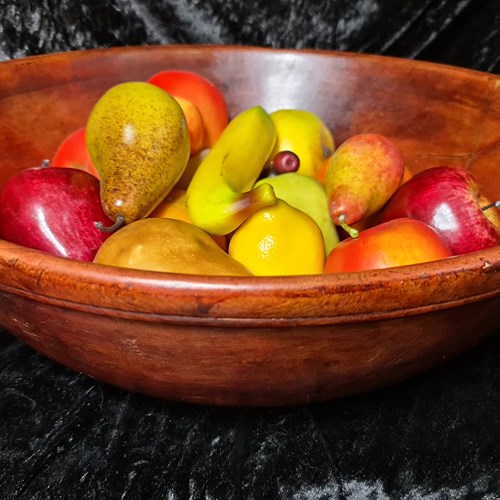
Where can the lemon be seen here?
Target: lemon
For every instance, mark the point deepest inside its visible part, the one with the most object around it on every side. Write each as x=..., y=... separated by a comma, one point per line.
x=279, y=241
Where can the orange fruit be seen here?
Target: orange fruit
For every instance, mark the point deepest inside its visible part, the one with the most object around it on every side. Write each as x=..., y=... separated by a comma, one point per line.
x=195, y=125
x=407, y=175
x=174, y=206
x=321, y=173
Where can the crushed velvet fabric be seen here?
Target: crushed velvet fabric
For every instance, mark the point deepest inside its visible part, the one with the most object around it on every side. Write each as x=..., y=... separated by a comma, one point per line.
x=65, y=436
x=463, y=33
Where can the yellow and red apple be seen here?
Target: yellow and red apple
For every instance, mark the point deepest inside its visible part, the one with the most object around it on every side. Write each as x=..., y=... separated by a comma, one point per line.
x=204, y=96
x=398, y=242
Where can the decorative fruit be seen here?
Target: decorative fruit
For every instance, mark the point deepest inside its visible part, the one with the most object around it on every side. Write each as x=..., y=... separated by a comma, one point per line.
x=320, y=174
x=398, y=242
x=203, y=94
x=407, y=175
x=307, y=194
x=191, y=167
x=283, y=162
x=279, y=240
x=220, y=195
x=194, y=123
x=306, y=135
x=450, y=200
x=370, y=220
x=73, y=153
x=362, y=174
x=167, y=245
x=139, y=143
x=53, y=210
x=174, y=206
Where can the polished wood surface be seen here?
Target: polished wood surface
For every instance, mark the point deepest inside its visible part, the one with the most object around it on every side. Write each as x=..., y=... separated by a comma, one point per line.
x=256, y=341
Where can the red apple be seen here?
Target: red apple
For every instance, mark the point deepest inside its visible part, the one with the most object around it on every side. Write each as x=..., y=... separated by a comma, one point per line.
x=53, y=210
x=398, y=242
x=450, y=200
x=73, y=153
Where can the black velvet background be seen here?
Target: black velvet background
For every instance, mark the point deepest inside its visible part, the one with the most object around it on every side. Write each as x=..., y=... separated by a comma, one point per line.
x=64, y=436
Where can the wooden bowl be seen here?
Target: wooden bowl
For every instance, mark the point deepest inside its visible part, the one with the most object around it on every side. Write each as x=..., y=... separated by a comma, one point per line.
x=256, y=341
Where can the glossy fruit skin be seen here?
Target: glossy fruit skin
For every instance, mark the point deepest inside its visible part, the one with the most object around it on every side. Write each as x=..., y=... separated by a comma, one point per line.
x=207, y=98
x=53, y=210
x=191, y=168
x=167, y=245
x=279, y=240
x=285, y=162
x=307, y=194
x=449, y=199
x=138, y=140
x=73, y=153
x=174, y=206
x=362, y=174
x=398, y=242
x=195, y=125
x=320, y=174
x=220, y=195
x=305, y=134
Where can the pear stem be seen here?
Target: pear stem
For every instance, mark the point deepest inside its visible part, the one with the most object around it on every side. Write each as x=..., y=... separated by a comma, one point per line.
x=353, y=233
x=119, y=222
x=495, y=204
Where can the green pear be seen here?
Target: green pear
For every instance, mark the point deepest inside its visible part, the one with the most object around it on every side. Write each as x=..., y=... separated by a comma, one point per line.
x=308, y=195
x=138, y=140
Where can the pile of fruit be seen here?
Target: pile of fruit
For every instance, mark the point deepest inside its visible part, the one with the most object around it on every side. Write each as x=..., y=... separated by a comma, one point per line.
x=160, y=178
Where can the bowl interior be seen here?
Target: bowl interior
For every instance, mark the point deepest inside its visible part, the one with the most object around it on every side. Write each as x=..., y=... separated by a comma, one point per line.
x=256, y=341
x=435, y=114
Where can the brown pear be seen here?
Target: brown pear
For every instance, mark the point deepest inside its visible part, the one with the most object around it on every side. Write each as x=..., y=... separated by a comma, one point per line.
x=167, y=245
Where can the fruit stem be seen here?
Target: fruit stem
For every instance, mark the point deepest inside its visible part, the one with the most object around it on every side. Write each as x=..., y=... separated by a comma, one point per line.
x=119, y=222
x=45, y=163
x=353, y=233
x=495, y=204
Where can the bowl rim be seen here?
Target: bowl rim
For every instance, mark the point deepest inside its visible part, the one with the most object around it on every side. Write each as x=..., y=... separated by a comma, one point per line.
x=51, y=279
x=201, y=47
x=34, y=274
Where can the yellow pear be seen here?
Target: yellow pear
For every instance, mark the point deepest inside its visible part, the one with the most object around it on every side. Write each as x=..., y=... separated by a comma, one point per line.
x=305, y=134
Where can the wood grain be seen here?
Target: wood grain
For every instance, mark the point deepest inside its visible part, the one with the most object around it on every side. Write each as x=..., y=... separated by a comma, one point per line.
x=256, y=341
